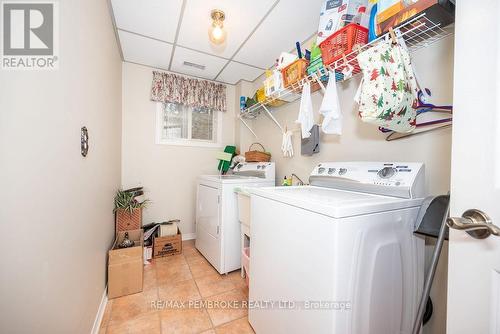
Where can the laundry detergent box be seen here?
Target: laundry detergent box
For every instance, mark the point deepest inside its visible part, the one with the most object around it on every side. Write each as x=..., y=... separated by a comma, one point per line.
x=167, y=246
x=125, y=265
x=336, y=14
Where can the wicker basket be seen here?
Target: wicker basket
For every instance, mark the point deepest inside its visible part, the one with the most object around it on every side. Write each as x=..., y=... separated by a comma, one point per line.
x=257, y=156
x=126, y=220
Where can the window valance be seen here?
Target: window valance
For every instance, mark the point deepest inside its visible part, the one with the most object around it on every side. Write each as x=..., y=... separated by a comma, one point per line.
x=169, y=87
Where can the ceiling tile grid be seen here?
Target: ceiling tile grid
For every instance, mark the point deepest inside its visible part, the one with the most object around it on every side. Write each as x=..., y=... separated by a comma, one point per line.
x=153, y=18
x=213, y=65
x=257, y=32
x=290, y=21
x=235, y=72
x=145, y=51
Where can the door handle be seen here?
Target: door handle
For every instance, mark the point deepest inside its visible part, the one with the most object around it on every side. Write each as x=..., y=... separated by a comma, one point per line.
x=476, y=223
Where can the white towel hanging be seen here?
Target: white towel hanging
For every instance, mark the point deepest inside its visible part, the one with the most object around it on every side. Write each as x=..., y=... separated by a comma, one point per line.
x=287, y=144
x=306, y=117
x=330, y=109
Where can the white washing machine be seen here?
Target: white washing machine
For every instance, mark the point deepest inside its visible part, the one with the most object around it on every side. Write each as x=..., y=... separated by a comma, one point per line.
x=217, y=227
x=339, y=256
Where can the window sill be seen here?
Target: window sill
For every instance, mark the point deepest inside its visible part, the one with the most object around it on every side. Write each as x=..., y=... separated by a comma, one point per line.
x=192, y=143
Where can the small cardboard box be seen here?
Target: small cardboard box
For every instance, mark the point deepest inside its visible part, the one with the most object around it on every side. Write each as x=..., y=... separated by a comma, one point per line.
x=125, y=265
x=167, y=246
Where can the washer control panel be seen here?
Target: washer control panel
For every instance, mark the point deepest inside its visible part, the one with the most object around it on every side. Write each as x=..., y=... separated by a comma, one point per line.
x=264, y=170
x=383, y=178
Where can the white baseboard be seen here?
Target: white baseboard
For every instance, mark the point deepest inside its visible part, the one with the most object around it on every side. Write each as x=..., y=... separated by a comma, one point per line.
x=100, y=312
x=189, y=236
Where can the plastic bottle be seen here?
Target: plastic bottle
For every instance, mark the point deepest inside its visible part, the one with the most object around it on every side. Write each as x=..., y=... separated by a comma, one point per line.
x=361, y=18
x=285, y=182
x=242, y=102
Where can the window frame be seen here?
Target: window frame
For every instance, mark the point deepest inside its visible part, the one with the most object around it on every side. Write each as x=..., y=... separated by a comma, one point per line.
x=186, y=142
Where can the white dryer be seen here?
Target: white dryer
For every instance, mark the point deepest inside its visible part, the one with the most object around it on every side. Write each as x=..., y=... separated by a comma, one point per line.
x=339, y=256
x=217, y=227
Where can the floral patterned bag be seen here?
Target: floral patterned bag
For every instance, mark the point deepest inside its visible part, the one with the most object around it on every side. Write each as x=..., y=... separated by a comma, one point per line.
x=387, y=95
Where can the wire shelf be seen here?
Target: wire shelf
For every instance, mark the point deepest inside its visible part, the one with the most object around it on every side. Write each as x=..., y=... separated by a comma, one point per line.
x=416, y=33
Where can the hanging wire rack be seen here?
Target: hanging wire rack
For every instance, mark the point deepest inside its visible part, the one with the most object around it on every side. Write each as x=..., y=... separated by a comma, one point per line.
x=416, y=33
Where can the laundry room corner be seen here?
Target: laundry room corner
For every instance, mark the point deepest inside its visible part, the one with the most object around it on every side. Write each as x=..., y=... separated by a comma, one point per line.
x=167, y=172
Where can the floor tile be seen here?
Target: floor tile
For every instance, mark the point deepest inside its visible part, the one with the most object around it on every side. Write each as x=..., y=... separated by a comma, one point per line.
x=195, y=257
x=235, y=276
x=184, y=321
x=169, y=260
x=214, y=284
x=202, y=268
x=173, y=273
x=149, y=323
x=188, y=244
x=189, y=252
x=149, y=280
x=240, y=326
x=227, y=312
x=129, y=307
x=184, y=277
x=181, y=291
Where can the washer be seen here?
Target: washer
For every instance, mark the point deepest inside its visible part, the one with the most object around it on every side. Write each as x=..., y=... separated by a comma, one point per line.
x=217, y=227
x=339, y=256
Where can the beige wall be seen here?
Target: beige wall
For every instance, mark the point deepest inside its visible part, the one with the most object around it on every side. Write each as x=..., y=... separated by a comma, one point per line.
x=361, y=141
x=57, y=207
x=167, y=172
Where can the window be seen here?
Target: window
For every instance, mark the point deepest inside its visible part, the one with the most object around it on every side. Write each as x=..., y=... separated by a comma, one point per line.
x=178, y=124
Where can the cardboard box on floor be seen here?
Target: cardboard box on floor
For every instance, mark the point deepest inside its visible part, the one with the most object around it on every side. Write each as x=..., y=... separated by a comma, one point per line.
x=167, y=246
x=125, y=265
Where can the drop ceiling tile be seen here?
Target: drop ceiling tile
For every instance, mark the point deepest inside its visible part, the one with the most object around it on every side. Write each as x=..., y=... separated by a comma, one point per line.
x=153, y=18
x=212, y=64
x=147, y=51
x=290, y=21
x=241, y=19
x=234, y=72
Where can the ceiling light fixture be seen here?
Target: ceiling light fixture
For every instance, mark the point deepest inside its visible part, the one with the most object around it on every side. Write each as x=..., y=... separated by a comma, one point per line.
x=216, y=32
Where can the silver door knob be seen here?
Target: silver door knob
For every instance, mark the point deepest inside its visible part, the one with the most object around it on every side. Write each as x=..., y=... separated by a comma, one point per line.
x=476, y=223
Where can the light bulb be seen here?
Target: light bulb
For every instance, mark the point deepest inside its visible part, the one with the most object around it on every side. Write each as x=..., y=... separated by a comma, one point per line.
x=217, y=32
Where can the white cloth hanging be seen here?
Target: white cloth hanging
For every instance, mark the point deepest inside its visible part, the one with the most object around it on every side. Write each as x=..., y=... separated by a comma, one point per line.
x=306, y=117
x=330, y=109
x=287, y=145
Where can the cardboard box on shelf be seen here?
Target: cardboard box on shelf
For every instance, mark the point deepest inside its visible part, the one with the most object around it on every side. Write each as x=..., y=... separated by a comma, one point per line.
x=440, y=12
x=125, y=265
x=167, y=246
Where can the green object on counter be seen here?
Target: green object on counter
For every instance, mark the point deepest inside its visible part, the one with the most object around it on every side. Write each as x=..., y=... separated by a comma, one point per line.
x=287, y=182
x=224, y=164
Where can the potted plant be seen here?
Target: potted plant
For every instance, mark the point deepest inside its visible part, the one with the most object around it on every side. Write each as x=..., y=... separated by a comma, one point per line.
x=128, y=209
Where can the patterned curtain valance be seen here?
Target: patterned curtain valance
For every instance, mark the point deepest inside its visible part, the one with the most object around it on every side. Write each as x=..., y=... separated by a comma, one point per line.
x=169, y=87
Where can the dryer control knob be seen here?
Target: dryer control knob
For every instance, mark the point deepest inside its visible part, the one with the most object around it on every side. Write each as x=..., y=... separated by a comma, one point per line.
x=386, y=172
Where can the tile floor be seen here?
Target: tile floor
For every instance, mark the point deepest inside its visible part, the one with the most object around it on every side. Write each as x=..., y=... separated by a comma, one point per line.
x=182, y=278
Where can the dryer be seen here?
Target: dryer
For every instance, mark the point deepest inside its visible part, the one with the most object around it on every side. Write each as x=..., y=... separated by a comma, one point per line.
x=218, y=235
x=338, y=256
